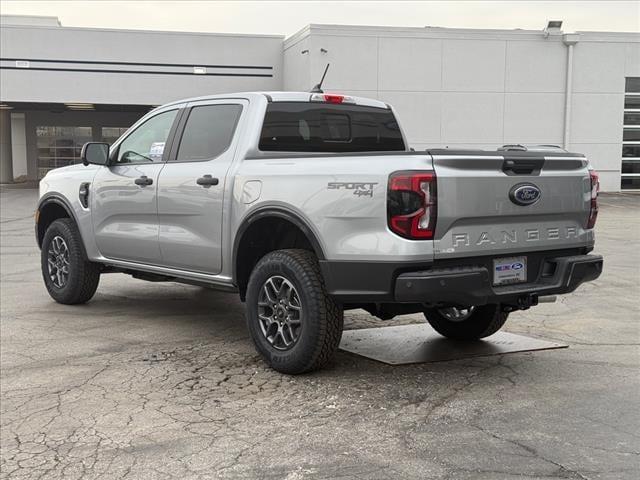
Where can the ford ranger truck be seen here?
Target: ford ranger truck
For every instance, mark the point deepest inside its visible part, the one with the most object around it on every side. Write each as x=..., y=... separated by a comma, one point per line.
x=310, y=204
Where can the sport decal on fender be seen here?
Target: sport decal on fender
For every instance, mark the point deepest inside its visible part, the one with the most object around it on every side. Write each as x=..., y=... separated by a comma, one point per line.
x=360, y=189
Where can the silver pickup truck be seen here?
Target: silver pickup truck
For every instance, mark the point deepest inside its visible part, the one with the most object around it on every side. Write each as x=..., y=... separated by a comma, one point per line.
x=308, y=204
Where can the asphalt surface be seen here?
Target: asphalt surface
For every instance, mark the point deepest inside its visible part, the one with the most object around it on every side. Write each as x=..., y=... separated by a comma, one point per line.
x=160, y=381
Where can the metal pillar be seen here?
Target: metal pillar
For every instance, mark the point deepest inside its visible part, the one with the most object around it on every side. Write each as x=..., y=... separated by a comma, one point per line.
x=6, y=158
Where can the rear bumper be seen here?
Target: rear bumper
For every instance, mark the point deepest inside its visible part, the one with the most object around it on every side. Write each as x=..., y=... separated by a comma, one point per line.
x=473, y=285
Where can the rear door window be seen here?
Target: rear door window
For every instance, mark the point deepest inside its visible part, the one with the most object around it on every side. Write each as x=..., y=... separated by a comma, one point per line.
x=208, y=132
x=309, y=127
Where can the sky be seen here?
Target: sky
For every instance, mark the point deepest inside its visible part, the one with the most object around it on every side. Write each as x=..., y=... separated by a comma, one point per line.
x=287, y=17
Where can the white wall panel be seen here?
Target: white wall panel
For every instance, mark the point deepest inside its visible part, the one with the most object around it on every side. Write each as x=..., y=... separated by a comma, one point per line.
x=297, y=74
x=472, y=117
x=598, y=67
x=632, y=61
x=473, y=66
x=534, y=118
x=413, y=64
x=536, y=66
x=354, y=62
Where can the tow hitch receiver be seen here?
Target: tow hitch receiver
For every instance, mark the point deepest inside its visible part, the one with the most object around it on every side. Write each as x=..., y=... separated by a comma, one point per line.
x=526, y=301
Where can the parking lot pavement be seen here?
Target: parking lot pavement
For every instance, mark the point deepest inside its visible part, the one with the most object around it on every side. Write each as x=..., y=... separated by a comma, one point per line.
x=160, y=381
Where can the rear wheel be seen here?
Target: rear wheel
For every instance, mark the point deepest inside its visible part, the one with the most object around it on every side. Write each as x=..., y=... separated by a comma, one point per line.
x=294, y=324
x=469, y=323
x=70, y=279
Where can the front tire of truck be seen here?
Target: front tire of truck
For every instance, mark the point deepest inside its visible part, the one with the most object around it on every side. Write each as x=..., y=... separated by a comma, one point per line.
x=69, y=277
x=470, y=323
x=295, y=325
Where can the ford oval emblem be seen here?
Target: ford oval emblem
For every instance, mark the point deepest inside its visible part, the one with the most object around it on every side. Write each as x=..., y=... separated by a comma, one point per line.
x=524, y=194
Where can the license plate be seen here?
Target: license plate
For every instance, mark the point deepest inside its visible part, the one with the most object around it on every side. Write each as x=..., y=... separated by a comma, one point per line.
x=509, y=270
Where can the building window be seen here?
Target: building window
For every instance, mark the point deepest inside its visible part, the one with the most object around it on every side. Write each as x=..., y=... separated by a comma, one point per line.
x=59, y=146
x=111, y=134
x=630, y=178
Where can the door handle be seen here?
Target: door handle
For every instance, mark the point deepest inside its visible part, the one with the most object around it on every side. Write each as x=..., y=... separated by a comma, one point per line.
x=207, y=180
x=143, y=180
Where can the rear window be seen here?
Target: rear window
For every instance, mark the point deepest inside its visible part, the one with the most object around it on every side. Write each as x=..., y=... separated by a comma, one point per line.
x=310, y=127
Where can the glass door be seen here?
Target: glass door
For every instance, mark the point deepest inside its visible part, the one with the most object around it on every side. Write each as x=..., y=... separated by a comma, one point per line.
x=59, y=146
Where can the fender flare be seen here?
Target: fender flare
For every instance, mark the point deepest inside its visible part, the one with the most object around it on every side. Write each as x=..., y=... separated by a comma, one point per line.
x=49, y=198
x=279, y=212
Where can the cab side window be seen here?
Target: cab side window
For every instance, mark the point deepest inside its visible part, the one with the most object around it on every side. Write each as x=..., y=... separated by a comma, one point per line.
x=208, y=132
x=146, y=143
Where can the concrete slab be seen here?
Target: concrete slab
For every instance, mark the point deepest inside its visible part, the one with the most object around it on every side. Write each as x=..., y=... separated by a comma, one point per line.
x=406, y=344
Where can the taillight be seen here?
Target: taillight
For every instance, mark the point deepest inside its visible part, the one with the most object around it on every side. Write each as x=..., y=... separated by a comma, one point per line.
x=593, y=210
x=411, y=204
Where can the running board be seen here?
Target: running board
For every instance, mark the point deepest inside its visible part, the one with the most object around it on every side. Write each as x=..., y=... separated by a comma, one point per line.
x=142, y=271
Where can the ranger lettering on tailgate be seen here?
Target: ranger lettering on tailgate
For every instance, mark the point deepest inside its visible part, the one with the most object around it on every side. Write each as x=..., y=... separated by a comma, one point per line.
x=511, y=236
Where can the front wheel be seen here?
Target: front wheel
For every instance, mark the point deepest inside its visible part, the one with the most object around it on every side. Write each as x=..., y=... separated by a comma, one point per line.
x=295, y=325
x=69, y=277
x=469, y=323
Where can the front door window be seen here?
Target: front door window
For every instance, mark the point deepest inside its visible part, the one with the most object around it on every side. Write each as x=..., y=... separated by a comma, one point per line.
x=146, y=143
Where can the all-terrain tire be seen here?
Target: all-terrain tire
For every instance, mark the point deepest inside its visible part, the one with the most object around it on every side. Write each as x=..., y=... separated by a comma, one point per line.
x=83, y=276
x=485, y=320
x=321, y=317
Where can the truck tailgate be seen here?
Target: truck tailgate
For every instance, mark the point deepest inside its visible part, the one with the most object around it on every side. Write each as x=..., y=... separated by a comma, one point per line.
x=509, y=202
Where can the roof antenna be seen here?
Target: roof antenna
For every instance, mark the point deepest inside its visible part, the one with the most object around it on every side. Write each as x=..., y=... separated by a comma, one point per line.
x=318, y=87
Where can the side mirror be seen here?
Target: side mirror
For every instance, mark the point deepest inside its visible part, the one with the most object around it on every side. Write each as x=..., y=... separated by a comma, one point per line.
x=95, y=153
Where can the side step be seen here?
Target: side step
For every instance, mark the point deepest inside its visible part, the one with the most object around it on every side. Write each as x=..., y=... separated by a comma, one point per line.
x=151, y=277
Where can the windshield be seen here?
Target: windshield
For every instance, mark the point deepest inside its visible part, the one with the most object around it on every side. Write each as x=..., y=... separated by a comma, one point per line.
x=321, y=127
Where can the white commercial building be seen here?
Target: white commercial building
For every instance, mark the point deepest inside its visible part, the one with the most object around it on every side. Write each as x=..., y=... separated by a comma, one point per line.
x=63, y=86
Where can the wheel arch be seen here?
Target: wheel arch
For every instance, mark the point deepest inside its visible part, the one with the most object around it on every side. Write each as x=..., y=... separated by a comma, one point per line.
x=50, y=208
x=292, y=231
